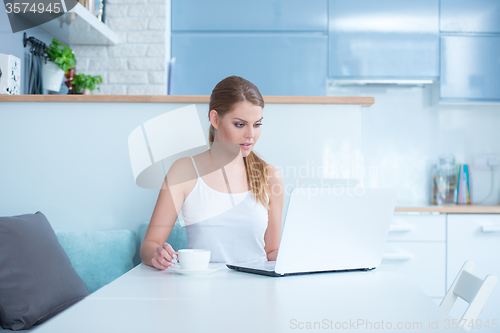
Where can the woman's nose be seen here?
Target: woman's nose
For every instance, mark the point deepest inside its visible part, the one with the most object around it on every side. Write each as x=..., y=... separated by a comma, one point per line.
x=249, y=133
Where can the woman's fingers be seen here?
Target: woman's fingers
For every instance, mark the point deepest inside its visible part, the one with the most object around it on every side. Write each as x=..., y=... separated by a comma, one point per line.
x=162, y=259
x=171, y=253
x=162, y=253
x=157, y=264
x=165, y=254
x=169, y=249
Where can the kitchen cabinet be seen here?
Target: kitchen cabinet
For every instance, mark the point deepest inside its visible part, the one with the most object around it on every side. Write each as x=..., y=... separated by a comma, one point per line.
x=383, y=39
x=416, y=245
x=470, y=16
x=470, y=68
x=255, y=15
x=475, y=237
x=278, y=64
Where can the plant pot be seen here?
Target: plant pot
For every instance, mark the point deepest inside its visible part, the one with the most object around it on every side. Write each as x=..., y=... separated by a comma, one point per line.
x=52, y=76
x=87, y=91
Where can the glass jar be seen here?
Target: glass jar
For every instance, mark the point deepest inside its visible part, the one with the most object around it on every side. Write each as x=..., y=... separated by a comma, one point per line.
x=444, y=181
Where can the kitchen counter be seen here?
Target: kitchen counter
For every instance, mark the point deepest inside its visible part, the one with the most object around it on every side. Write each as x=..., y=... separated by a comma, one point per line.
x=452, y=209
x=363, y=101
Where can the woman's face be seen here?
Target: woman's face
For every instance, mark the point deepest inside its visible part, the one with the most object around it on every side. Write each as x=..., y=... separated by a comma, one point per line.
x=241, y=126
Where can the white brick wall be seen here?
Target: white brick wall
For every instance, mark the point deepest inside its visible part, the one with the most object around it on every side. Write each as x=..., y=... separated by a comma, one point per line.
x=137, y=65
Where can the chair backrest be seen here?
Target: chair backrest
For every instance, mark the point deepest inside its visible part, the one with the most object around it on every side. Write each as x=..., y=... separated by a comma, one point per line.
x=471, y=289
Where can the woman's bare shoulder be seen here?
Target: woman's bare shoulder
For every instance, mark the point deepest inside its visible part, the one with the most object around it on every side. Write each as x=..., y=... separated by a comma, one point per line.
x=180, y=165
x=181, y=171
x=273, y=172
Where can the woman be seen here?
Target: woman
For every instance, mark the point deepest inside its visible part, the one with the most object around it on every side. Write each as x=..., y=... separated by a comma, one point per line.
x=231, y=199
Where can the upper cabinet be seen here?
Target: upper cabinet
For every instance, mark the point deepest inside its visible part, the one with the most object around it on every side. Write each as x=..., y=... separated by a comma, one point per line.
x=278, y=64
x=470, y=51
x=470, y=68
x=470, y=16
x=383, y=39
x=279, y=45
x=254, y=15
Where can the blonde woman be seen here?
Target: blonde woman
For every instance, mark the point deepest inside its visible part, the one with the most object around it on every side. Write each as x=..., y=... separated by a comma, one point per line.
x=231, y=200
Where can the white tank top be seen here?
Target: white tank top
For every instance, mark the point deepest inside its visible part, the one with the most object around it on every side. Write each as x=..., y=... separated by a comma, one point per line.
x=231, y=226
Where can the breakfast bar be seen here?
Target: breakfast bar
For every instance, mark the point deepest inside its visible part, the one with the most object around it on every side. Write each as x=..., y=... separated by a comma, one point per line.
x=148, y=300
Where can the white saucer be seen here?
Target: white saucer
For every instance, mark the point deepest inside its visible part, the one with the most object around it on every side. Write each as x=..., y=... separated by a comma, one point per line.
x=179, y=270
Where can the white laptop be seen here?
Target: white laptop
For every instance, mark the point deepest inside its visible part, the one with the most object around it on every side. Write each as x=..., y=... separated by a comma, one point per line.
x=330, y=230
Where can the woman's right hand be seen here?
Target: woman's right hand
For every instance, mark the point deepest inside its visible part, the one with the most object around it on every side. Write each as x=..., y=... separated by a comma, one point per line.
x=162, y=258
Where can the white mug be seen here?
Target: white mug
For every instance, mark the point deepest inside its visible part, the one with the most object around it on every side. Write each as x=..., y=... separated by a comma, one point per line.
x=194, y=259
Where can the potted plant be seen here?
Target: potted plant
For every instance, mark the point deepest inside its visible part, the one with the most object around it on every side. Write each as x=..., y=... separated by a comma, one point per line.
x=86, y=84
x=60, y=59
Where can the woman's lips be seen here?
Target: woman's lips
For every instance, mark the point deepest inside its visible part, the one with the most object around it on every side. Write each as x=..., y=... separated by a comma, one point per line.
x=246, y=147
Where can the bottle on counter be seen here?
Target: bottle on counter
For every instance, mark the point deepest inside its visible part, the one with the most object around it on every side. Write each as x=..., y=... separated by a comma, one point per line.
x=444, y=180
x=70, y=75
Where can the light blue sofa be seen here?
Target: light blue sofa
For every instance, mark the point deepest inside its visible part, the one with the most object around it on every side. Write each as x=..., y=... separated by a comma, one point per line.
x=99, y=257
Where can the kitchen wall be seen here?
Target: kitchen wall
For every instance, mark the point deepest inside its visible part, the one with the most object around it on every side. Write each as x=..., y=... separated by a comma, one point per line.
x=11, y=43
x=137, y=65
x=406, y=130
x=71, y=160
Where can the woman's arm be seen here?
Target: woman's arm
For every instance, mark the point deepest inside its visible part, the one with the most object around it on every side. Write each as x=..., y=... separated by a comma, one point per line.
x=154, y=251
x=273, y=231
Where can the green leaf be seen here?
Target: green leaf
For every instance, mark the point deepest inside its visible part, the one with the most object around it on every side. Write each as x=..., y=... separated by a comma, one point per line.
x=61, y=54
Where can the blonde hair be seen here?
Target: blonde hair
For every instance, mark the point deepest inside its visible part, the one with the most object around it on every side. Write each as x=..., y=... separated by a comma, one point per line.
x=226, y=94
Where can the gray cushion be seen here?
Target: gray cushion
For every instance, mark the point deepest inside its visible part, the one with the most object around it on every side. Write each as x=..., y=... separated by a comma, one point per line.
x=37, y=280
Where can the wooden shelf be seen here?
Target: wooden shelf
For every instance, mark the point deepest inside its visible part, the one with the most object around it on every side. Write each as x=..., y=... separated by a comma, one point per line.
x=455, y=209
x=363, y=101
x=80, y=27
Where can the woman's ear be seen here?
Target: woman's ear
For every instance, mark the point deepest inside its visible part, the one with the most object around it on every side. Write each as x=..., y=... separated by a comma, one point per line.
x=214, y=118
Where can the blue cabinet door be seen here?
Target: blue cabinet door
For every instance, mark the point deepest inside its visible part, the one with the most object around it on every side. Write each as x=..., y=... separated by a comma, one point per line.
x=470, y=68
x=249, y=15
x=470, y=16
x=278, y=64
x=383, y=39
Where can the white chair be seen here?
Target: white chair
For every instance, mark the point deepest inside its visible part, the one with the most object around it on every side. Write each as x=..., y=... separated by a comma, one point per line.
x=471, y=289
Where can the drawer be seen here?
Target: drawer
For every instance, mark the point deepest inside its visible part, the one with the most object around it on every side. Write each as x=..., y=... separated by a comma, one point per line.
x=423, y=262
x=422, y=227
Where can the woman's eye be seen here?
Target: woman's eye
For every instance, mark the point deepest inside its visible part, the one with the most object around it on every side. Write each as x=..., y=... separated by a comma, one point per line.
x=241, y=125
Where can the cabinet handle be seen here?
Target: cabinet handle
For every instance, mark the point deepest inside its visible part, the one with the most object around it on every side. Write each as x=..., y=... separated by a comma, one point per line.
x=490, y=228
x=397, y=256
x=401, y=228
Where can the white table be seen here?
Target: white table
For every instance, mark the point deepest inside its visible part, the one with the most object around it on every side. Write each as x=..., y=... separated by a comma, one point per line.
x=148, y=300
